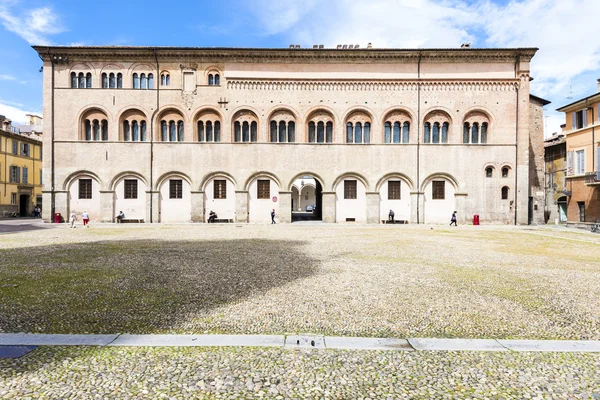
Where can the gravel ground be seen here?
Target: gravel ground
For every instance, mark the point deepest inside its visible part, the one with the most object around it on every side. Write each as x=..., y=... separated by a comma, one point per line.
x=226, y=373
x=353, y=280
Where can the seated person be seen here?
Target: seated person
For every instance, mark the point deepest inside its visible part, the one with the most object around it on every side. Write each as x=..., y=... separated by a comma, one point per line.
x=391, y=216
x=212, y=216
x=120, y=217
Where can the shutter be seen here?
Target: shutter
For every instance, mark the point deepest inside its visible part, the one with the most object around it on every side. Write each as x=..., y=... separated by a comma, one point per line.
x=570, y=163
x=585, y=113
x=18, y=174
x=574, y=121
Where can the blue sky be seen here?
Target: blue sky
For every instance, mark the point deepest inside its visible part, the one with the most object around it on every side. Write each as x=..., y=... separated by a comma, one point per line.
x=566, y=31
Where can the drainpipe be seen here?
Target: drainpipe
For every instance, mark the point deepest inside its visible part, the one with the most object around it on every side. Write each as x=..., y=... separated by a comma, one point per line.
x=157, y=80
x=418, y=133
x=517, y=61
x=52, y=193
x=593, y=140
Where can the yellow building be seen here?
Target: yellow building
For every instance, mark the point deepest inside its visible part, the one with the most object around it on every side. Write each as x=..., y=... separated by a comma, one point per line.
x=20, y=168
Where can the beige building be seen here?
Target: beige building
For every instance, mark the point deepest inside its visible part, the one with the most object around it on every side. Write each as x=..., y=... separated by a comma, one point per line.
x=167, y=134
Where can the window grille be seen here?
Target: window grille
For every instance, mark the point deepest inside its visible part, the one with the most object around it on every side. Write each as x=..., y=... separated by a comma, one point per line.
x=350, y=189
x=263, y=189
x=131, y=189
x=393, y=190
x=438, y=190
x=175, y=189
x=85, y=188
x=220, y=189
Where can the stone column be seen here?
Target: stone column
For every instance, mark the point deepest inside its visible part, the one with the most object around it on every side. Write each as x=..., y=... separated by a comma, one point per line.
x=373, y=204
x=107, y=202
x=285, y=207
x=152, y=206
x=328, y=207
x=197, y=206
x=241, y=206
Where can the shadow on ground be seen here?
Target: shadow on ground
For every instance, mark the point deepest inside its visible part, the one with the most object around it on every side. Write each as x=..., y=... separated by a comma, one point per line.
x=138, y=286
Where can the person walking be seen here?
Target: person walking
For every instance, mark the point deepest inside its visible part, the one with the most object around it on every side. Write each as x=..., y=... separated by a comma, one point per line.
x=453, y=219
x=273, y=217
x=72, y=219
x=391, y=216
x=86, y=218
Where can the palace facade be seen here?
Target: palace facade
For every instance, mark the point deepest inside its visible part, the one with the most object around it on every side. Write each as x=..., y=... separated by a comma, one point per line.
x=168, y=134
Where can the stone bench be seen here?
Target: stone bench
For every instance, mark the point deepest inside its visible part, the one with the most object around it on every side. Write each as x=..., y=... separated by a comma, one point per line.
x=397, y=221
x=132, y=221
x=222, y=221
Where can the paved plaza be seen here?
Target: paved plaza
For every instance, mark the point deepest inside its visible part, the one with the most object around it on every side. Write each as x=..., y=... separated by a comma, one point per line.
x=499, y=282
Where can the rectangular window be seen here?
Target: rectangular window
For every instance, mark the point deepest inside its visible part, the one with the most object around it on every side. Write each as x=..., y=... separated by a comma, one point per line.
x=579, y=119
x=581, y=206
x=25, y=175
x=350, y=189
x=15, y=174
x=220, y=189
x=41, y=177
x=263, y=189
x=85, y=188
x=15, y=147
x=13, y=198
x=176, y=189
x=438, y=190
x=394, y=190
x=131, y=189
x=25, y=149
x=580, y=162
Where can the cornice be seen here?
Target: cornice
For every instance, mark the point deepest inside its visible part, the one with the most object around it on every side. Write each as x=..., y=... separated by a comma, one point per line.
x=206, y=55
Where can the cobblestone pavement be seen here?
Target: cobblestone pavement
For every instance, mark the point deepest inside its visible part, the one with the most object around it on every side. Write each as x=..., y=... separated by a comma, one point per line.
x=339, y=280
x=227, y=373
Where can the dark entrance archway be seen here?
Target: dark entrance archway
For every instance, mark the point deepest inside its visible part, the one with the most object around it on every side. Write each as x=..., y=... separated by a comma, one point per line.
x=307, y=199
x=24, y=205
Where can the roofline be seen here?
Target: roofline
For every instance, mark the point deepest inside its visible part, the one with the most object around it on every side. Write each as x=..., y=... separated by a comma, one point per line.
x=543, y=101
x=585, y=99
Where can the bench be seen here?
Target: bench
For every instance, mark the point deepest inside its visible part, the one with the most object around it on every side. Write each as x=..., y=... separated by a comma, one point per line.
x=132, y=221
x=397, y=221
x=222, y=221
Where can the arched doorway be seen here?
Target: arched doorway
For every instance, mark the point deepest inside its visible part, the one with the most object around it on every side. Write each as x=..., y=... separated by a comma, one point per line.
x=307, y=199
x=562, y=208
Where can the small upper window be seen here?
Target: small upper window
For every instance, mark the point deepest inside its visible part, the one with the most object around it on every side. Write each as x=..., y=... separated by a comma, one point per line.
x=489, y=172
x=165, y=79
x=579, y=119
x=505, y=193
x=505, y=171
x=214, y=79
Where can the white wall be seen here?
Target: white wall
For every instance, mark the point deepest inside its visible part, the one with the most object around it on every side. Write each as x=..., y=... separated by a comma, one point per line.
x=133, y=208
x=307, y=197
x=225, y=208
x=439, y=211
x=351, y=208
x=92, y=206
x=175, y=210
x=260, y=209
x=401, y=207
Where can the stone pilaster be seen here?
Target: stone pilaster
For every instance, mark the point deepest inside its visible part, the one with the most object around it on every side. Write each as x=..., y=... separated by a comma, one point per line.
x=417, y=202
x=107, y=202
x=522, y=162
x=197, y=206
x=61, y=204
x=241, y=206
x=285, y=207
x=152, y=206
x=373, y=204
x=328, y=207
x=460, y=204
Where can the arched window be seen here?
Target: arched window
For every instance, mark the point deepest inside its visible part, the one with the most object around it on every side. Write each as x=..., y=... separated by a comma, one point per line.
x=489, y=172
x=358, y=128
x=200, y=126
x=435, y=135
x=88, y=130
x=445, y=127
x=96, y=125
x=475, y=133
x=245, y=126
x=349, y=133
x=245, y=132
x=320, y=126
x=466, y=131
x=143, y=81
x=273, y=135
x=119, y=81
x=291, y=132
x=111, y=81
x=505, y=193
x=164, y=131
x=484, y=127
x=150, y=81
x=217, y=131
x=136, y=81
x=396, y=138
x=209, y=131
x=172, y=131
x=311, y=132
x=74, y=80
x=253, y=131
x=329, y=132
x=237, y=128
x=88, y=80
x=217, y=79
x=505, y=171
x=180, y=135
x=406, y=132
x=135, y=131
x=387, y=132
x=358, y=133
x=126, y=136
x=320, y=132
x=282, y=132
x=143, y=131
x=104, y=81
x=427, y=132
x=211, y=79
x=105, y=130
x=81, y=80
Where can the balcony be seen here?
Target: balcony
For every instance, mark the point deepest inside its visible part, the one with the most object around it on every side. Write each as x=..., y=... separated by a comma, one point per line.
x=592, y=178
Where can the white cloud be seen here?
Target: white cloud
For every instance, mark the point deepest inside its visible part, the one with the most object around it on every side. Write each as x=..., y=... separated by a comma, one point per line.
x=33, y=25
x=5, y=77
x=15, y=114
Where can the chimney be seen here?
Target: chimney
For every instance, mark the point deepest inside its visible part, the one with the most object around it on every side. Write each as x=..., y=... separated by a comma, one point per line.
x=321, y=46
x=315, y=46
x=339, y=46
x=465, y=46
x=598, y=85
x=369, y=46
